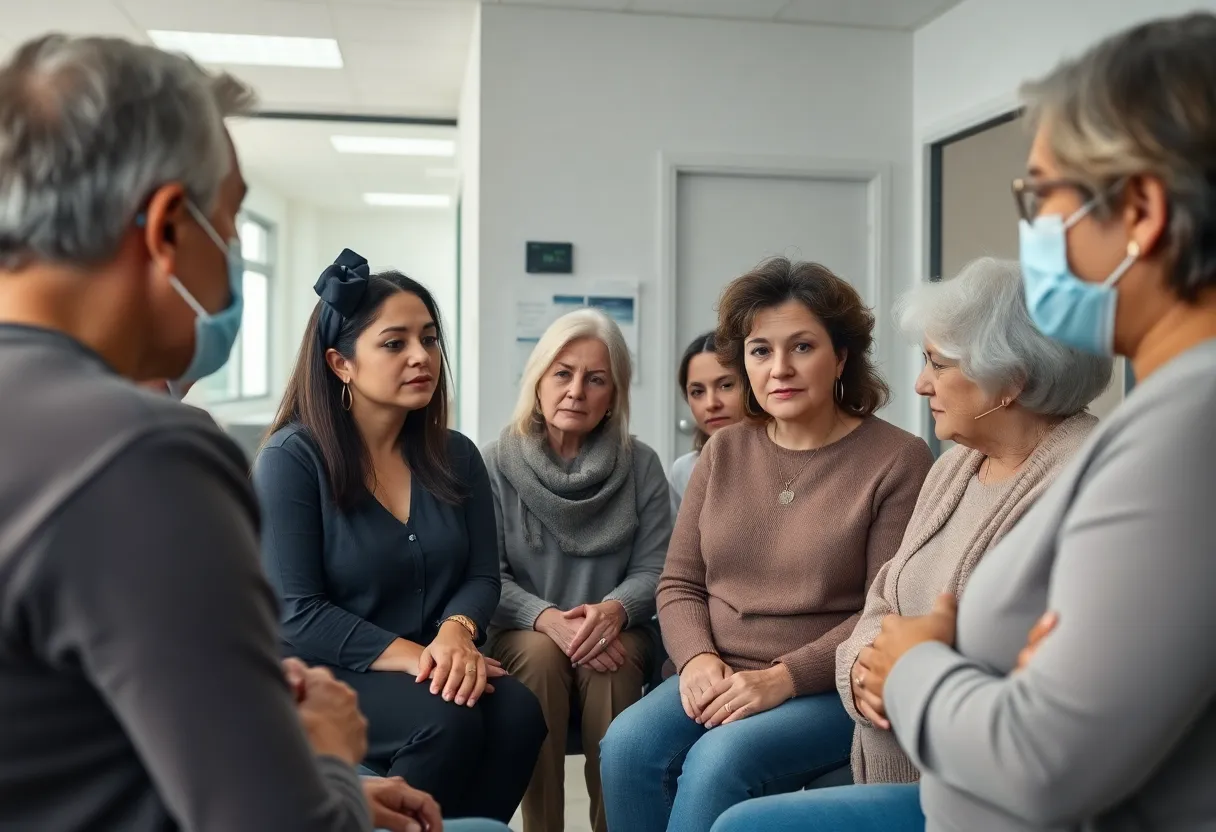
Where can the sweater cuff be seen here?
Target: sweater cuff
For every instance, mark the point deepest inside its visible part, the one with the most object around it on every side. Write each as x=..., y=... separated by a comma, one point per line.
x=844, y=683
x=637, y=610
x=344, y=783
x=909, y=688
x=524, y=616
x=686, y=632
x=810, y=669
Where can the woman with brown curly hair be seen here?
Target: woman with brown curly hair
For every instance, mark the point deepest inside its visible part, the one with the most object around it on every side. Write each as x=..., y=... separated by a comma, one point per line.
x=786, y=520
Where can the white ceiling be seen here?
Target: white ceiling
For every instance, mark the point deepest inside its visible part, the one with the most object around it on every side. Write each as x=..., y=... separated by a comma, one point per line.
x=297, y=160
x=880, y=14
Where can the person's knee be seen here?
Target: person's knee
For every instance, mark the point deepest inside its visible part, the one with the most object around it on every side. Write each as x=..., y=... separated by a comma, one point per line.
x=450, y=736
x=522, y=709
x=626, y=737
x=530, y=655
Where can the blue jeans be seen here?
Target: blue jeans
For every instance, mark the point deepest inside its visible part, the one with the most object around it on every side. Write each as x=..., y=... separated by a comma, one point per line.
x=662, y=772
x=876, y=808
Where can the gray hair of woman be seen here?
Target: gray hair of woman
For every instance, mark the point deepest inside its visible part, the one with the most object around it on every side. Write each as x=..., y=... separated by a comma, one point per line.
x=1143, y=102
x=979, y=319
x=89, y=129
x=574, y=326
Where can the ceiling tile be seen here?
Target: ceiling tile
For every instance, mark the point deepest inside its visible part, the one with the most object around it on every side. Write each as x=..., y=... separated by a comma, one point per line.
x=421, y=82
x=738, y=9
x=448, y=25
x=289, y=88
x=286, y=18
x=601, y=5
x=26, y=20
x=887, y=14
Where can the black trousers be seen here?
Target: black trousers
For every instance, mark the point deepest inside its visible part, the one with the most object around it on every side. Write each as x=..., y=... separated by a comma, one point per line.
x=476, y=762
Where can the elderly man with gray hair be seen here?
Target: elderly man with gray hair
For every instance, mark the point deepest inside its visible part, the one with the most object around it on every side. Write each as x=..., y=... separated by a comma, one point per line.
x=1014, y=401
x=139, y=682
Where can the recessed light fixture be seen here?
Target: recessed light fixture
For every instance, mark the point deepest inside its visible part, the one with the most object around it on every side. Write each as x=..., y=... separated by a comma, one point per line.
x=409, y=200
x=251, y=50
x=393, y=146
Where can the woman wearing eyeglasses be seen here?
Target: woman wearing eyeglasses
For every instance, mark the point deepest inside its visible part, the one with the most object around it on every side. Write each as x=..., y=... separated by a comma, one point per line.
x=1104, y=720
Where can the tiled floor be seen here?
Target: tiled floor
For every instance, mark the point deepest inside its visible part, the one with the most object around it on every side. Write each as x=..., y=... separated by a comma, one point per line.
x=578, y=804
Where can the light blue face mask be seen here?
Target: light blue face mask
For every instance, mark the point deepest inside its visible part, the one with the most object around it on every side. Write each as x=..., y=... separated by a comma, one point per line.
x=214, y=333
x=1064, y=307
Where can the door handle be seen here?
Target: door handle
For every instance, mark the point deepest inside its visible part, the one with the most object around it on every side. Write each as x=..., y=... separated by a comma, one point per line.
x=686, y=427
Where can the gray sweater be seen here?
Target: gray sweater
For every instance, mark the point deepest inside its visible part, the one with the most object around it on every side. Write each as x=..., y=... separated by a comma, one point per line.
x=1113, y=725
x=533, y=581
x=140, y=685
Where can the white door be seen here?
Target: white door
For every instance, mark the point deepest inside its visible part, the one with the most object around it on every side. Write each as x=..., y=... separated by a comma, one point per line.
x=726, y=224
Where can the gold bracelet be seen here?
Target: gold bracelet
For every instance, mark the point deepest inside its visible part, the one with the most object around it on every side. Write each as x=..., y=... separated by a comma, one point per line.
x=466, y=622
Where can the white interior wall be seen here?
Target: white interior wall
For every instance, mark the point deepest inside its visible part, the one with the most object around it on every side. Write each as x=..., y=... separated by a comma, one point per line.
x=469, y=143
x=576, y=108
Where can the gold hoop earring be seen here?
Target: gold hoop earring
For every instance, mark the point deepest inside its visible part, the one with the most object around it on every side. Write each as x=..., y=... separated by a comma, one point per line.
x=346, y=398
x=839, y=390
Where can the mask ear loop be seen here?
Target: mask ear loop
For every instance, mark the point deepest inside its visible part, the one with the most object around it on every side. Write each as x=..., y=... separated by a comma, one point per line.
x=1133, y=254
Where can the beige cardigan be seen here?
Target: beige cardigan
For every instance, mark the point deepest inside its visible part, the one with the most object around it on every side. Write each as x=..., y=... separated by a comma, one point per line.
x=877, y=757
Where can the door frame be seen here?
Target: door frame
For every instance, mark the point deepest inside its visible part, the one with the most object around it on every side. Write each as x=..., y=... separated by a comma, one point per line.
x=875, y=175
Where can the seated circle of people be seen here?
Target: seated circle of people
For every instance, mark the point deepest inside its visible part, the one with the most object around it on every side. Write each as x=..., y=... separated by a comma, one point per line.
x=1015, y=403
x=584, y=519
x=759, y=589
x=379, y=540
x=715, y=398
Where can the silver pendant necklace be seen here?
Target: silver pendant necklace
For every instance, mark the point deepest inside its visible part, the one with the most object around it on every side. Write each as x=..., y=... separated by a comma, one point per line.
x=787, y=493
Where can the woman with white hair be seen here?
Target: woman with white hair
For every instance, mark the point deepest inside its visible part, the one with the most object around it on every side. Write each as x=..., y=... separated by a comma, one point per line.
x=1014, y=401
x=584, y=519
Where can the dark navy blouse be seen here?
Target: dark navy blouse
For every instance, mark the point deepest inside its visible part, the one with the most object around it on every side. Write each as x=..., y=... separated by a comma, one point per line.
x=351, y=582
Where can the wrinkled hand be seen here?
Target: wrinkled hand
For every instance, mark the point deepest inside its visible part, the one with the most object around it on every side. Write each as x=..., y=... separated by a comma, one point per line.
x=329, y=711
x=601, y=623
x=1041, y=629
x=611, y=660
x=901, y=633
x=746, y=693
x=699, y=675
x=866, y=674
x=398, y=807
x=454, y=665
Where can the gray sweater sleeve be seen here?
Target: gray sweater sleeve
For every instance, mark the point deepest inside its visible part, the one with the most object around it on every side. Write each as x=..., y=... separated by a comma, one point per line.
x=637, y=592
x=173, y=622
x=1115, y=687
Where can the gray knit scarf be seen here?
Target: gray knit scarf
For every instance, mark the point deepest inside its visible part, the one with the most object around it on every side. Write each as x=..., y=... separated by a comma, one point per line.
x=588, y=504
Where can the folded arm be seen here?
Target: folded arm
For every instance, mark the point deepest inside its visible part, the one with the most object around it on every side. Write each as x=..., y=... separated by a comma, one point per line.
x=636, y=593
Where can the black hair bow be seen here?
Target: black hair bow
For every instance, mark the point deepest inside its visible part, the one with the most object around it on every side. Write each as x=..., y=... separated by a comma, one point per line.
x=341, y=288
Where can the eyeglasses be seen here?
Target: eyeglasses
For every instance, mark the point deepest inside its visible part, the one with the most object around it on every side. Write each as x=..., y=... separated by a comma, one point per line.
x=1030, y=193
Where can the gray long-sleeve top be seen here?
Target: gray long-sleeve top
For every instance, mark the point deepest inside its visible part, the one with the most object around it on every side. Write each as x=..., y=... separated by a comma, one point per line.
x=533, y=581
x=1113, y=724
x=140, y=686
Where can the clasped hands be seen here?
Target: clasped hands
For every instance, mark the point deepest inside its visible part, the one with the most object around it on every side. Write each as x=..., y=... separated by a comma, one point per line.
x=589, y=634
x=329, y=713
x=900, y=634
x=455, y=667
x=712, y=694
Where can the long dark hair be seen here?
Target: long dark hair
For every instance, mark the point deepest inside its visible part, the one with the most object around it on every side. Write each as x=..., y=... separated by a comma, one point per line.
x=849, y=322
x=313, y=400
x=701, y=344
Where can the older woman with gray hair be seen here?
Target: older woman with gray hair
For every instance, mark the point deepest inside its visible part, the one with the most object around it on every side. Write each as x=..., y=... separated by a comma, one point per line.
x=584, y=519
x=1014, y=401
x=1104, y=717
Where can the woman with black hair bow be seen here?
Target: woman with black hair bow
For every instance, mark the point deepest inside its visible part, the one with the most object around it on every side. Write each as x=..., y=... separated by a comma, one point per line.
x=380, y=541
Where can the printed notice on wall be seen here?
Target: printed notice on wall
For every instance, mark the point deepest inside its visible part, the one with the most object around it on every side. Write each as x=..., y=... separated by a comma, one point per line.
x=543, y=301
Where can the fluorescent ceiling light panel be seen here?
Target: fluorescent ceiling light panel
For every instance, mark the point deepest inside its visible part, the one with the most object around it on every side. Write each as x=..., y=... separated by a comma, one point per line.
x=393, y=146
x=409, y=200
x=251, y=50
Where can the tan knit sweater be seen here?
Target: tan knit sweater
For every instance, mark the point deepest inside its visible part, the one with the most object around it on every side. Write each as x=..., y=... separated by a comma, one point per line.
x=758, y=583
x=877, y=757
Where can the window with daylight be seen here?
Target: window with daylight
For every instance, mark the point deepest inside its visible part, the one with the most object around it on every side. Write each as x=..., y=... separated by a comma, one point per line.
x=247, y=373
